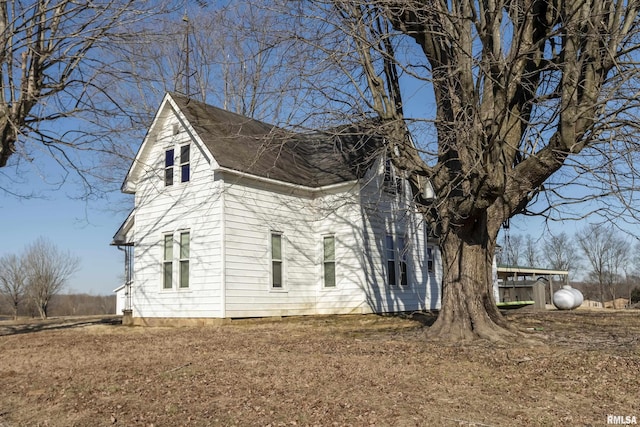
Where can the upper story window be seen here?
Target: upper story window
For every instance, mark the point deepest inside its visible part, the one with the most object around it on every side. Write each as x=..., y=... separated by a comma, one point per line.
x=185, y=170
x=393, y=183
x=169, y=158
x=184, y=164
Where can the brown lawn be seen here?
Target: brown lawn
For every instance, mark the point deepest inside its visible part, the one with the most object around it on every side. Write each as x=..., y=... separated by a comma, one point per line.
x=320, y=371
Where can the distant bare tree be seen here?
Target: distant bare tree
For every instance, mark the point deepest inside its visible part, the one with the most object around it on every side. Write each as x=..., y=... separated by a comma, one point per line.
x=74, y=304
x=244, y=73
x=511, y=251
x=531, y=253
x=13, y=280
x=561, y=252
x=518, y=250
x=48, y=269
x=608, y=255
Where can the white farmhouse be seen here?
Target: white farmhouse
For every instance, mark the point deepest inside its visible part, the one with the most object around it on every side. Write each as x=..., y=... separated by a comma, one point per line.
x=237, y=218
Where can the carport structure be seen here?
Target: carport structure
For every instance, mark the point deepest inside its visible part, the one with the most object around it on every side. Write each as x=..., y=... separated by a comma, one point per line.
x=519, y=286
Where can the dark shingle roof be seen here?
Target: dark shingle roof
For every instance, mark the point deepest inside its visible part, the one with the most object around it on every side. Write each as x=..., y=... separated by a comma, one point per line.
x=250, y=146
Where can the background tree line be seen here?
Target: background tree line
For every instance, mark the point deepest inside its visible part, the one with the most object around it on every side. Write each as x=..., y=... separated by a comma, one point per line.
x=71, y=304
x=602, y=261
x=29, y=281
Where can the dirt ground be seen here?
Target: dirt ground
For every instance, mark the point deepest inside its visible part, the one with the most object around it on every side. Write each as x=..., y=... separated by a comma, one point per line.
x=320, y=371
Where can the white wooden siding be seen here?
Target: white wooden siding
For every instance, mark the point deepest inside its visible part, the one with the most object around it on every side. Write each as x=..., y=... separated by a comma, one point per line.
x=252, y=213
x=191, y=206
x=230, y=220
x=388, y=214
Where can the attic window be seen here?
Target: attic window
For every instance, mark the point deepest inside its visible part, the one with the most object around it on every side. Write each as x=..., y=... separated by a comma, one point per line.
x=392, y=181
x=185, y=169
x=168, y=167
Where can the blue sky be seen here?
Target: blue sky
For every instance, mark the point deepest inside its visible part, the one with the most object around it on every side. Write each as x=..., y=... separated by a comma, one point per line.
x=84, y=228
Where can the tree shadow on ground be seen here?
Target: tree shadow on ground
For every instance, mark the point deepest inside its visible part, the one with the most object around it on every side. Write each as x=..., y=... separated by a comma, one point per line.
x=425, y=318
x=13, y=328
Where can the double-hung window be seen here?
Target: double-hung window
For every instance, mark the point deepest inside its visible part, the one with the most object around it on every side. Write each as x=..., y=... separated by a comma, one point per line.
x=393, y=182
x=391, y=261
x=175, y=251
x=169, y=158
x=167, y=263
x=430, y=259
x=183, y=162
x=184, y=259
x=396, y=254
x=185, y=158
x=329, y=261
x=402, y=264
x=276, y=261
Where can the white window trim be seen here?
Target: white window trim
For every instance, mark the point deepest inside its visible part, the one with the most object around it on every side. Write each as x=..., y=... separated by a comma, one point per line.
x=176, y=145
x=335, y=263
x=165, y=168
x=398, y=258
x=283, y=263
x=432, y=258
x=180, y=260
x=175, y=262
x=181, y=163
x=166, y=262
x=392, y=180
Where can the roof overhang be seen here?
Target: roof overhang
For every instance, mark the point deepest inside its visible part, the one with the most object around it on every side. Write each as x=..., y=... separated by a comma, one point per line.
x=510, y=271
x=121, y=236
x=304, y=188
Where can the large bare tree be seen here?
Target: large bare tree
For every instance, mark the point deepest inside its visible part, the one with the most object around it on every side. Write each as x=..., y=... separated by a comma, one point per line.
x=57, y=69
x=532, y=109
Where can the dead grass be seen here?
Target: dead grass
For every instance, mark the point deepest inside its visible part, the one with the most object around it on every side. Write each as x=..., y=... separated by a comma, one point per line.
x=350, y=370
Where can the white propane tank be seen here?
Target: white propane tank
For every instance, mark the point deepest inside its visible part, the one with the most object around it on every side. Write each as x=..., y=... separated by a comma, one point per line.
x=567, y=298
x=577, y=294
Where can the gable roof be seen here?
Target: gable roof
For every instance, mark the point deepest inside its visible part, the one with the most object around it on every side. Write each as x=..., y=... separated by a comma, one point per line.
x=249, y=146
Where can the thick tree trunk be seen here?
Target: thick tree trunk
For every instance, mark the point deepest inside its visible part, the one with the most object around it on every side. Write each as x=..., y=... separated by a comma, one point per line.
x=42, y=309
x=7, y=138
x=469, y=310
